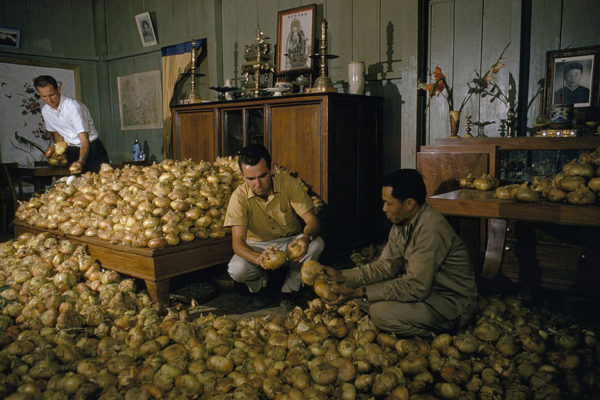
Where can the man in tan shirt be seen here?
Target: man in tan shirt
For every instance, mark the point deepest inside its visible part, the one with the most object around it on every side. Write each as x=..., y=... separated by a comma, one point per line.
x=264, y=213
x=423, y=282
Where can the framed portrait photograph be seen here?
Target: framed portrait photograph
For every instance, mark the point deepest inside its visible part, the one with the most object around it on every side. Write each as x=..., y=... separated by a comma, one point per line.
x=10, y=37
x=572, y=78
x=146, y=30
x=296, y=39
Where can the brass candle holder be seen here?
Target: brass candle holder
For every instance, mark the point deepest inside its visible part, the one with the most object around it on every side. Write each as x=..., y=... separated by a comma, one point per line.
x=323, y=83
x=192, y=96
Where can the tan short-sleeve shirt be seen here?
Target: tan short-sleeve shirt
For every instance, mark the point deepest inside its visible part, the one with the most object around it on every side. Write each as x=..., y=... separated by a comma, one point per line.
x=272, y=218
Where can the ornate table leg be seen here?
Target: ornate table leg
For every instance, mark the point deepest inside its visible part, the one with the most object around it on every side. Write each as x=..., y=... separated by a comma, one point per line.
x=159, y=293
x=495, y=247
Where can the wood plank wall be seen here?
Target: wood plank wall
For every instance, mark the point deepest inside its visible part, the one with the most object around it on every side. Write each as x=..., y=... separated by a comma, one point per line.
x=463, y=36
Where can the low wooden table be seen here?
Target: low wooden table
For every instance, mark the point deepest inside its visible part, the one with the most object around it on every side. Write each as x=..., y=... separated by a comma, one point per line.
x=154, y=266
x=478, y=204
x=40, y=173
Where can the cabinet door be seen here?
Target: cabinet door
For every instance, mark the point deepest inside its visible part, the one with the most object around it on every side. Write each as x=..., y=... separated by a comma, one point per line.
x=242, y=127
x=194, y=135
x=296, y=132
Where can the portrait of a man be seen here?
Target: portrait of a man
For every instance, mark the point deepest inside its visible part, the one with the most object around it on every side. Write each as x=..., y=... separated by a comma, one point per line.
x=571, y=82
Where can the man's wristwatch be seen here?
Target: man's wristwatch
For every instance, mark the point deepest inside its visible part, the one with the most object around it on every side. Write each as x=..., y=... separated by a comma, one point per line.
x=363, y=295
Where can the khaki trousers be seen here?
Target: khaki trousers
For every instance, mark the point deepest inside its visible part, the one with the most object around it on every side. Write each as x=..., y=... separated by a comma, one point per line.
x=413, y=319
x=256, y=278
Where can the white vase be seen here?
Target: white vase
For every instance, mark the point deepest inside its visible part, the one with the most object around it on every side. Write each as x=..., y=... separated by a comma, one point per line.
x=356, y=77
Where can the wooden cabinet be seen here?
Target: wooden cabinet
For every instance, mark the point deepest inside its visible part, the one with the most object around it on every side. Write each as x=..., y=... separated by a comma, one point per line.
x=333, y=142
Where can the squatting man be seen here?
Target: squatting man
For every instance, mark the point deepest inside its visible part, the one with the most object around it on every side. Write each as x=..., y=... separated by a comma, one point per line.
x=264, y=214
x=423, y=282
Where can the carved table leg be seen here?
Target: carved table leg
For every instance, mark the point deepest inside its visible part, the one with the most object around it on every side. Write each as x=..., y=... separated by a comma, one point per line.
x=159, y=293
x=495, y=247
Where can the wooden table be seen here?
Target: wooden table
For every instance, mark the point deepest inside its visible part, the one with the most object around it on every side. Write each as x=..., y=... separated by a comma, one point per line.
x=154, y=266
x=41, y=173
x=477, y=204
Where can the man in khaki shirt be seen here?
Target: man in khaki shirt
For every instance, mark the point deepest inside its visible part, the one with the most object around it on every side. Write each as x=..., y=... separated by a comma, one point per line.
x=423, y=282
x=263, y=214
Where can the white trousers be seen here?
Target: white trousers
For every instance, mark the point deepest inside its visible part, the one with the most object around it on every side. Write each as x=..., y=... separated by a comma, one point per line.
x=256, y=278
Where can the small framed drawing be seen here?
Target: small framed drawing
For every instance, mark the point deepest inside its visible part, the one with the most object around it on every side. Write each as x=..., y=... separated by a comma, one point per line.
x=572, y=78
x=295, y=39
x=10, y=37
x=146, y=30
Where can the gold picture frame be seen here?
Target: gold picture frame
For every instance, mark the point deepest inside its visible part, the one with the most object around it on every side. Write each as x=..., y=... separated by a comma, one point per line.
x=295, y=40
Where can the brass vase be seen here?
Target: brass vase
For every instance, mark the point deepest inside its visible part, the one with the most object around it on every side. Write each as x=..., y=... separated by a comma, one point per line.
x=454, y=123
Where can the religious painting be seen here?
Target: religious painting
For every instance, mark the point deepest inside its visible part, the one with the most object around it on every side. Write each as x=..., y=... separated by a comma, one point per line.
x=21, y=123
x=572, y=78
x=295, y=39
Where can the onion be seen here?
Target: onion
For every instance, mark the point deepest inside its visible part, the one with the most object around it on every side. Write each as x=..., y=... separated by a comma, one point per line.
x=219, y=364
x=384, y=383
x=311, y=271
x=323, y=290
x=274, y=260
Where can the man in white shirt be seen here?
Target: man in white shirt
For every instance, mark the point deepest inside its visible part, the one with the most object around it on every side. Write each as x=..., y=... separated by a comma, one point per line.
x=70, y=121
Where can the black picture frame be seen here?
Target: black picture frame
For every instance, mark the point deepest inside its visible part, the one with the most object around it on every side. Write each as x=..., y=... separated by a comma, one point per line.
x=558, y=64
x=10, y=37
x=296, y=40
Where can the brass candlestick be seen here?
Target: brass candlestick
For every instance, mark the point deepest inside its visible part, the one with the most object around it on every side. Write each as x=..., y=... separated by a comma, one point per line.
x=323, y=82
x=468, y=128
x=192, y=96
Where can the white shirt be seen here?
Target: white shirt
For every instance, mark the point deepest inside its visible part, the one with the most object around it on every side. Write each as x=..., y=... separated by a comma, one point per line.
x=69, y=120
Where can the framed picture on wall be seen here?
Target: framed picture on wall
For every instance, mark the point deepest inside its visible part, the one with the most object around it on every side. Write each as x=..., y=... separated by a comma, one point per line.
x=10, y=37
x=572, y=78
x=146, y=30
x=295, y=39
x=22, y=128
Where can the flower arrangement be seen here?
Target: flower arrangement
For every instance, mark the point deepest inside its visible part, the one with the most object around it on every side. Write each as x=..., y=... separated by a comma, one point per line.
x=439, y=85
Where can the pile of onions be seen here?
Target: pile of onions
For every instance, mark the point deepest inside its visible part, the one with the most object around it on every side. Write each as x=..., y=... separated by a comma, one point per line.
x=69, y=329
x=578, y=183
x=153, y=206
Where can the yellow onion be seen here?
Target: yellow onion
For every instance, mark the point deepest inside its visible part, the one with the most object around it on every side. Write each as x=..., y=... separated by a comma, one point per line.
x=275, y=259
x=311, y=271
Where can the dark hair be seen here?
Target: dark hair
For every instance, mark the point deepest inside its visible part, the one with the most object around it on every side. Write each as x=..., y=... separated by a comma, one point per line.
x=406, y=183
x=45, y=80
x=252, y=154
x=574, y=65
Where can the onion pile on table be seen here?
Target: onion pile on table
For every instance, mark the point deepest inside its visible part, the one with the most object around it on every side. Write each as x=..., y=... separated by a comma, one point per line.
x=578, y=183
x=153, y=206
x=70, y=330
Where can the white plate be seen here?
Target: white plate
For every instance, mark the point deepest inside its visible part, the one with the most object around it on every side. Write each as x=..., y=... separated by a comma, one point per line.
x=275, y=90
